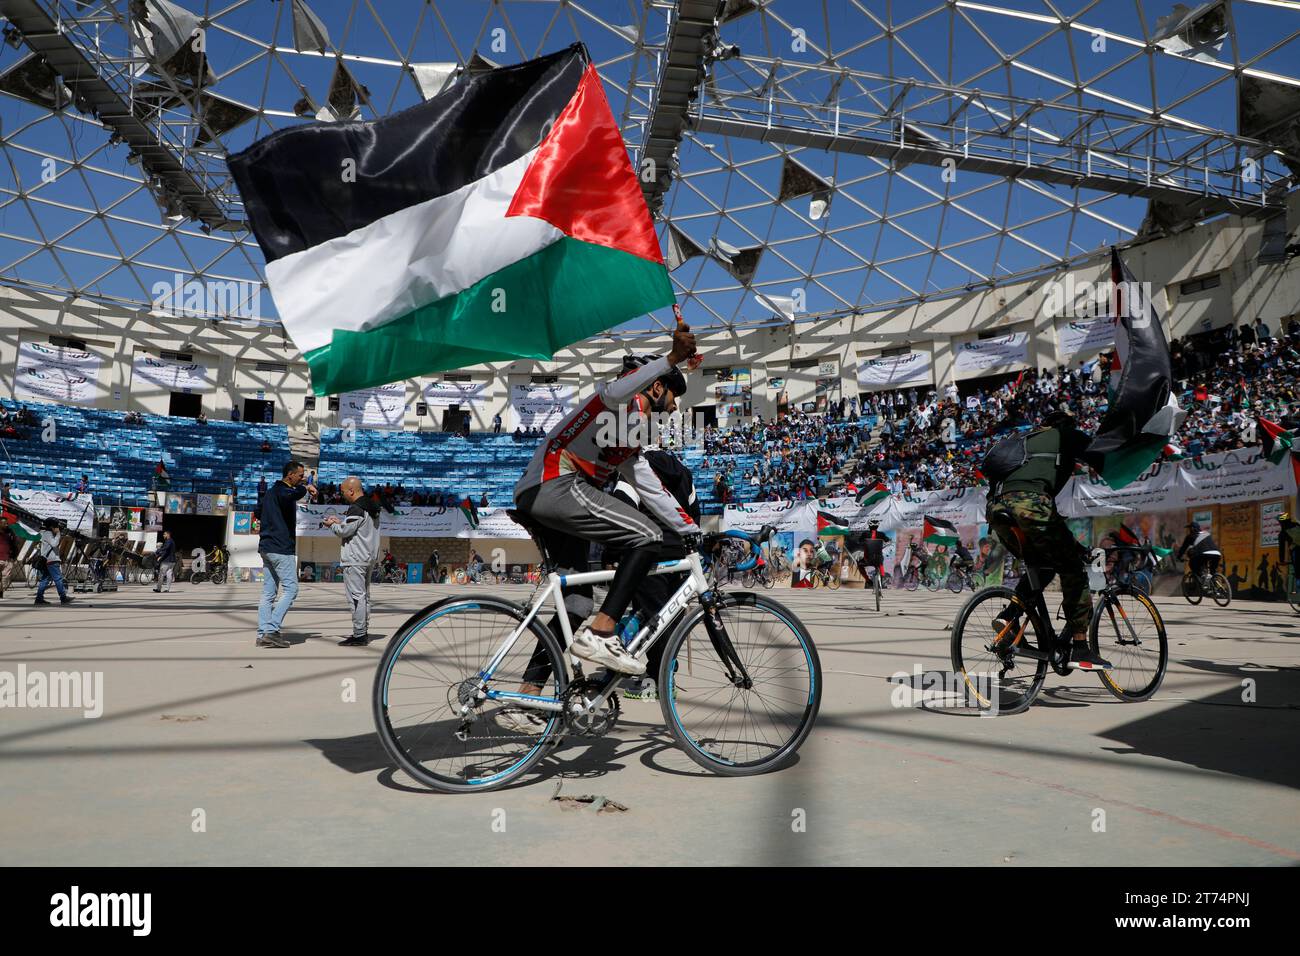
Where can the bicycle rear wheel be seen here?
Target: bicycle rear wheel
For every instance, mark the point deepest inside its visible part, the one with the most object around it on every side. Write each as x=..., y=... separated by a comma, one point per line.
x=433, y=665
x=997, y=676
x=1127, y=630
x=833, y=580
x=1141, y=582
x=1222, y=591
x=1293, y=594
x=911, y=580
x=1192, y=588
x=736, y=727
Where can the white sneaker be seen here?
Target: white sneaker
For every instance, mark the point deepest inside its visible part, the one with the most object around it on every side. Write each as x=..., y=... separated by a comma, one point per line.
x=606, y=651
x=520, y=720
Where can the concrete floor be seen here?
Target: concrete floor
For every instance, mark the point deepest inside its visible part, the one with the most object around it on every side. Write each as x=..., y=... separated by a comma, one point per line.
x=261, y=748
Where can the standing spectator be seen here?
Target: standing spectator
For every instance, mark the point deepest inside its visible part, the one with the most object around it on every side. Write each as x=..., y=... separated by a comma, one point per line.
x=52, y=572
x=431, y=575
x=8, y=556
x=279, y=549
x=166, y=558
x=234, y=413
x=358, y=531
x=496, y=424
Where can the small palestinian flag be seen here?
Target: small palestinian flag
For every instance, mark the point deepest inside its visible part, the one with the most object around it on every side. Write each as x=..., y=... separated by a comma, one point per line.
x=1173, y=452
x=21, y=530
x=1125, y=535
x=873, y=495
x=828, y=525
x=470, y=512
x=938, y=531
x=1276, y=440
x=501, y=219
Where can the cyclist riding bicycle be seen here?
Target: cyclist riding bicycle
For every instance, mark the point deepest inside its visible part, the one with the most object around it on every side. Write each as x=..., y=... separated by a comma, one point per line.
x=1022, y=511
x=873, y=551
x=1200, y=550
x=1288, y=539
x=560, y=493
x=962, y=559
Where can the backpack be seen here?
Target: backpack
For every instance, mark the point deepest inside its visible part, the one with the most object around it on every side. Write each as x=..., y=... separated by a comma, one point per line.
x=1006, y=457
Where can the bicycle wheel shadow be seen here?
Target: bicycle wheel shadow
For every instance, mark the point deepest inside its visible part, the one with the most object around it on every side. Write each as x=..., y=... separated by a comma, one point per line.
x=579, y=758
x=1249, y=729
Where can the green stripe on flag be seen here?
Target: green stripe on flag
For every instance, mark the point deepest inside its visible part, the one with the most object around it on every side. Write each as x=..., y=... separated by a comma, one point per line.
x=530, y=309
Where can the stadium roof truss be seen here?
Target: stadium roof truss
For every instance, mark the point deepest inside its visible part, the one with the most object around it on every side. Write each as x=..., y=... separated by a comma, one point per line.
x=803, y=158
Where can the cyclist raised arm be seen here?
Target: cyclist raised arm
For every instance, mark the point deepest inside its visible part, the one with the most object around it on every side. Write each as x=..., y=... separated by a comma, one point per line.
x=560, y=492
x=1027, y=472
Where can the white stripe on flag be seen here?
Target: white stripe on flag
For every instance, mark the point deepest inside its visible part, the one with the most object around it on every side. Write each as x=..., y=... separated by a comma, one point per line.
x=407, y=259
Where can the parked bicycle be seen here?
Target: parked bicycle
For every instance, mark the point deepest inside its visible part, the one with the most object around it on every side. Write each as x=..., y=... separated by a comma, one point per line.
x=1003, y=647
x=739, y=683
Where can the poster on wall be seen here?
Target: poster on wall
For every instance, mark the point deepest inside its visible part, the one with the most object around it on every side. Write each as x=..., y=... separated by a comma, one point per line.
x=444, y=394
x=49, y=373
x=243, y=522
x=153, y=519
x=976, y=357
x=542, y=405
x=891, y=371
x=383, y=406
x=169, y=375
x=733, y=393
x=1089, y=335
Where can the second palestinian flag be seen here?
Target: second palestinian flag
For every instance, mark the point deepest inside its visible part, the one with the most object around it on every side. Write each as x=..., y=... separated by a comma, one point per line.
x=500, y=219
x=873, y=495
x=828, y=524
x=1275, y=439
x=938, y=531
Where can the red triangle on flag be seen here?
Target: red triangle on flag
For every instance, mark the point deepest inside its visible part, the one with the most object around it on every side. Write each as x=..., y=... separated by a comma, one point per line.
x=582, y=182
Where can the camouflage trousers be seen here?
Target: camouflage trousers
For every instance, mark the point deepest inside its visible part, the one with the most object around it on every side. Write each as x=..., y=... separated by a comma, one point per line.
x=1048, y=542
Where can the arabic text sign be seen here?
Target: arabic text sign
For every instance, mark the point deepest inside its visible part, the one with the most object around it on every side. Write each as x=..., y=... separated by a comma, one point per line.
x=542, y=406
x=170, y=375
x=78, y=511
x=48, y=373
x=1088, y=335
x=984, y=354
x=891, y=371
x=383, y=406
x=465, y=394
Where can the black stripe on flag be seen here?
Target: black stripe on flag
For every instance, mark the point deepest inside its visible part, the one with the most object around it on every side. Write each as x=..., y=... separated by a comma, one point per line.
x=292, y=182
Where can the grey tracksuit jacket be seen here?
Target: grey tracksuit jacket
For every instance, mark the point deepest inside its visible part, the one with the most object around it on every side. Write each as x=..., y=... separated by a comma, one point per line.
x=359, y=533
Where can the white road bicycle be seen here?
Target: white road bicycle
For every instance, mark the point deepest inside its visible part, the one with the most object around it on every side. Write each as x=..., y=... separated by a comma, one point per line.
x=739, y=681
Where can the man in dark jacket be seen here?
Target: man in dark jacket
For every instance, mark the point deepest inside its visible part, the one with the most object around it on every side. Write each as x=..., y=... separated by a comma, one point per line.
x=279, y=550
x=166, y=558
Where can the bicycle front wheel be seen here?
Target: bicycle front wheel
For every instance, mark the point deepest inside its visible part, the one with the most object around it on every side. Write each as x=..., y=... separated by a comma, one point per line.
x=989, y=656
x=955, y=583
x=433, y=666
x=875, y=586
x=740, y=697
x=1221, y=591
x=1127, y=630
x=1192, y=588
x=833, y=581
x=911, y=581
x=933, y=582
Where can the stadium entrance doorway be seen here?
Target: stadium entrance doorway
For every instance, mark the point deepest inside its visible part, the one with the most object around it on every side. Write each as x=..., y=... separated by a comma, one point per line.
x=454, y=420
x=195, y=531
x=185, y=405
x=258, y=411
x=988, y=383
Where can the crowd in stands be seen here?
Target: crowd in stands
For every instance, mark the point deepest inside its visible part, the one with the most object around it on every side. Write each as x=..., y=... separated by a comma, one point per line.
x=1224, y=382
x=391, y=495
x=795, y=455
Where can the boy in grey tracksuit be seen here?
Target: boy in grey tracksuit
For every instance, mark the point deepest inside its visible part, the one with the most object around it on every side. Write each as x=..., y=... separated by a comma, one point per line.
x=358, y=530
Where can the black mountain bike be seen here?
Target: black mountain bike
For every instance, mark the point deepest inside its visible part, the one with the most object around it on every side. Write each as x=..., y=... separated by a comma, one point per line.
x=1002, y=648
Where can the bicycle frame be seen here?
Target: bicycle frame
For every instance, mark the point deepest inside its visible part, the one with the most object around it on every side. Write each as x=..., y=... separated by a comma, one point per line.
x=553, y=593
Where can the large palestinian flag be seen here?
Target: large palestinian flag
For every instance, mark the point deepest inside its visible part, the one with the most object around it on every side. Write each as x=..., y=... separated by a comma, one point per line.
x=828, y=525
x=500, y=219
x=938, y=531
x=1142, y=414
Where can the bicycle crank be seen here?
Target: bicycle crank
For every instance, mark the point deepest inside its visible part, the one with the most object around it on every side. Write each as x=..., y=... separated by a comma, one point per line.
x=586, y=714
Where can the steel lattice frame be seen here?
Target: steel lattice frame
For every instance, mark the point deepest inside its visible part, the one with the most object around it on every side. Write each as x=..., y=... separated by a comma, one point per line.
x=869, y=98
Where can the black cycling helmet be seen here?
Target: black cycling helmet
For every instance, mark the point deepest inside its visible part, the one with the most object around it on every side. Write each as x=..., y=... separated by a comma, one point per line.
x=673, y=379
x=873, y=522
